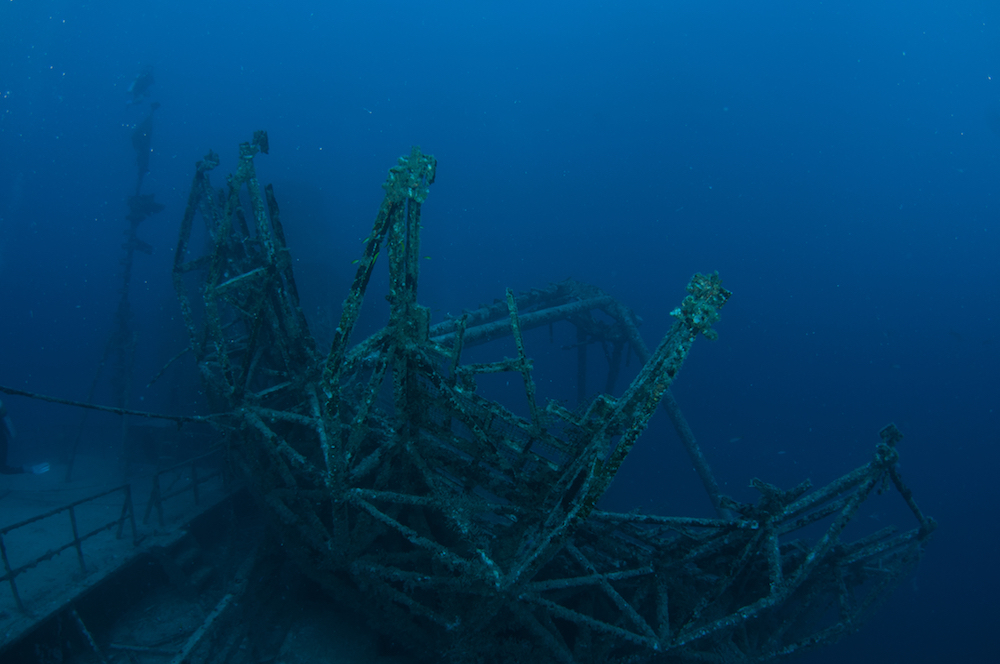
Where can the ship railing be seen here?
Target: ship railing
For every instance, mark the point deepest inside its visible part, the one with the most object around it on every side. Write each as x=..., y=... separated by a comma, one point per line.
x=187, y=473
x=127, y=513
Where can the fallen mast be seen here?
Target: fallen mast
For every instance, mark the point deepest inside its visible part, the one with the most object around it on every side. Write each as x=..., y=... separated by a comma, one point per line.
x=467, y=531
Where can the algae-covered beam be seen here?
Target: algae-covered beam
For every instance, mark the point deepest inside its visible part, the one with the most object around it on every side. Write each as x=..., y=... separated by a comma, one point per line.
x=200, y=189
x=697, y=313
x=478, y=334
x=408, y=184
x=523, y=364
x=673, y=409
x=284, y=262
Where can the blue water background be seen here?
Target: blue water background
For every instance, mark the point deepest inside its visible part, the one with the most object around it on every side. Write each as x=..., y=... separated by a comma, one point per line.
x=834, y=161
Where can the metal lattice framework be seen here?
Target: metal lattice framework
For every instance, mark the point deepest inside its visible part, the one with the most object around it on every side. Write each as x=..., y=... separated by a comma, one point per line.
x=465, y=529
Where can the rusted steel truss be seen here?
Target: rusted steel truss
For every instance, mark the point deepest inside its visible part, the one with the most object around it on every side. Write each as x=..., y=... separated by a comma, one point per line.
x=471, y=532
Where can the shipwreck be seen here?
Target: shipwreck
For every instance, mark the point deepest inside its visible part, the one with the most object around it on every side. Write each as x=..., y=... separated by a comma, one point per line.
x=468, y=532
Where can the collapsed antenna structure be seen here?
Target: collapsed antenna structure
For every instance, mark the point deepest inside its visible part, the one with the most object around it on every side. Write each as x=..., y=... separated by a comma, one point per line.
x=473, y=533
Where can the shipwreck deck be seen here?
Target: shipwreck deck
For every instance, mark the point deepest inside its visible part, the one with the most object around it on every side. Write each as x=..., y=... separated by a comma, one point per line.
x=61, y=540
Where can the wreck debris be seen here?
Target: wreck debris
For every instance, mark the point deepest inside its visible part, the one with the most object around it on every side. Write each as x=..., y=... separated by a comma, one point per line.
x=467, y=530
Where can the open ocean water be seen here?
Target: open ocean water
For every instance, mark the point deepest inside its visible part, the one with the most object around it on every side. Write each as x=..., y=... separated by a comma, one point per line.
x=837, y=162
